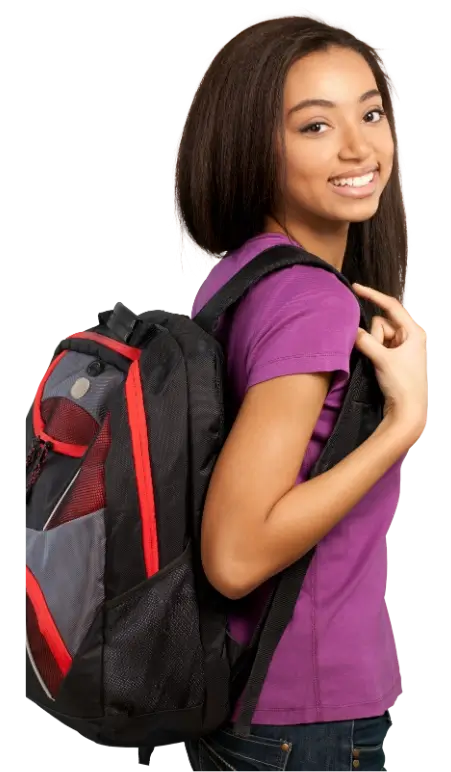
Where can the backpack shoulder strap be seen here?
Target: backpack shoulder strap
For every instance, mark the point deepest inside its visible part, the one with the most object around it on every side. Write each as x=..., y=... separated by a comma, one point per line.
x=267, y=262
x=281, y=602
x=361, y=412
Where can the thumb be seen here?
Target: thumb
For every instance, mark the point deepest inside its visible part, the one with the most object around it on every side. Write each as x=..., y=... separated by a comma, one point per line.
x=367, y=344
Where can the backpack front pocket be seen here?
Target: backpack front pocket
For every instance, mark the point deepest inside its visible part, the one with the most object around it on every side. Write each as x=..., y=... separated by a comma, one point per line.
x=65, y=590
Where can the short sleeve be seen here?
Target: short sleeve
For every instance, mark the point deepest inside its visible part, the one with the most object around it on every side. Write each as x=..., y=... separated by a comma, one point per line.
x=299, y=320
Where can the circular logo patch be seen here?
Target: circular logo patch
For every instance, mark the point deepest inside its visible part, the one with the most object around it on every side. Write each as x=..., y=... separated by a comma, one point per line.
x=80, y=387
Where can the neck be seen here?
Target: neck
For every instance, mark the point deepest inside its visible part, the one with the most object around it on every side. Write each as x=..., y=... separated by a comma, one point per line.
x=327, y=241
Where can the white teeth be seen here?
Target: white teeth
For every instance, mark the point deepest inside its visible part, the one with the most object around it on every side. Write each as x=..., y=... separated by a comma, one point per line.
x=355, y=182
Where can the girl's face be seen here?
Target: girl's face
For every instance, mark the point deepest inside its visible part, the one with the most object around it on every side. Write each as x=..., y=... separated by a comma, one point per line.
x=324, y=141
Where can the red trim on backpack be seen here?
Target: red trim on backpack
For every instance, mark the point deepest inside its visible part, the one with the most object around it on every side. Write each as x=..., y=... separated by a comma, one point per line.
x=76, y=451
x=143, y=470
x=121, y=348
x=47, y=624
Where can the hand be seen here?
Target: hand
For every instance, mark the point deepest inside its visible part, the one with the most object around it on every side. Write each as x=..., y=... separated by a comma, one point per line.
x=397, y=347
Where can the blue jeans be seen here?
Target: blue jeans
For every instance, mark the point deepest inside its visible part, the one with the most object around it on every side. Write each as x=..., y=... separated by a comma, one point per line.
x=337, y=745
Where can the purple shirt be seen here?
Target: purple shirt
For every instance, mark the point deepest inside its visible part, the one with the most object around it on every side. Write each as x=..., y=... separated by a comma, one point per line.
x=337, y=658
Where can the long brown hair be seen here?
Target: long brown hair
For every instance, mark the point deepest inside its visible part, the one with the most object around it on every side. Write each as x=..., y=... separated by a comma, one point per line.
x=227, y=178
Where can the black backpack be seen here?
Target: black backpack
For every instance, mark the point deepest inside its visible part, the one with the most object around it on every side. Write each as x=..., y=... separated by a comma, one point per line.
x=126, y=640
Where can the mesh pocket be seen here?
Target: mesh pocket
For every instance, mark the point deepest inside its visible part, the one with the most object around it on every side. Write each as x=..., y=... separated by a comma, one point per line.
x=87, y=493
x=153, y=654
x=67, y=422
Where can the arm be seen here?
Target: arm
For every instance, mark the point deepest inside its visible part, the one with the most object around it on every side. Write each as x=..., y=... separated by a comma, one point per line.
x=255, y=522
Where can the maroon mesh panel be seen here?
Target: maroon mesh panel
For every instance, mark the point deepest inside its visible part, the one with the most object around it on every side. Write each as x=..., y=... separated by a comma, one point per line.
x=67, y=422
x=42, y=656
x=87, y=494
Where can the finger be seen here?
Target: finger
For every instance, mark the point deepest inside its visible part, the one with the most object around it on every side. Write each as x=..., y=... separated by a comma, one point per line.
x=399, y=338
x=383, y=330
x=368, y=345
x=391, y=305
x=377, y=329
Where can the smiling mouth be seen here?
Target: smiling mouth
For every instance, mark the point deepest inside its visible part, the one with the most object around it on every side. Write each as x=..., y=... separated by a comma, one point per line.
x=364, y=187
x=354, y=182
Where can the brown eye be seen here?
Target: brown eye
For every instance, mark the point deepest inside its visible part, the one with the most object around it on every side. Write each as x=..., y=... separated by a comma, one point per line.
x=378, y=110
x=311, y=126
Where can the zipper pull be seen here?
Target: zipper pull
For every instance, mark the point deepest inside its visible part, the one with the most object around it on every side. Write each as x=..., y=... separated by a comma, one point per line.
x=32, y=453
x=42, y=457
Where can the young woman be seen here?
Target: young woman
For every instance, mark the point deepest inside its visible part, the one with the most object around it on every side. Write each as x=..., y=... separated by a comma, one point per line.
x=291, y=139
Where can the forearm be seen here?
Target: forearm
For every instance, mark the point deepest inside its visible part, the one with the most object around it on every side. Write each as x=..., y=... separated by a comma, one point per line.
x=304, y=515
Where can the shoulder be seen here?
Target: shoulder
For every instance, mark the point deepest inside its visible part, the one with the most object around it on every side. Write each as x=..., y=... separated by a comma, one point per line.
x=305, y=289
x=298, y=320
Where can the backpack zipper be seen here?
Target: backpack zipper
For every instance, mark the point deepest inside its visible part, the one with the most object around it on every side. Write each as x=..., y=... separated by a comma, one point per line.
x=40, y=457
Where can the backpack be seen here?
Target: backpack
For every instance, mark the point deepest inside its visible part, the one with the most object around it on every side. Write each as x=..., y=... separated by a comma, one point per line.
x=126, y=640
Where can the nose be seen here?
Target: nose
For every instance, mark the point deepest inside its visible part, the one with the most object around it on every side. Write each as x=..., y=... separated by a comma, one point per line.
x=355, y=144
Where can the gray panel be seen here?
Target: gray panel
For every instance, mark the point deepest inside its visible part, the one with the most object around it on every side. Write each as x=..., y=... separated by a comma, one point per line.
x=72, y=367
x=68, y=563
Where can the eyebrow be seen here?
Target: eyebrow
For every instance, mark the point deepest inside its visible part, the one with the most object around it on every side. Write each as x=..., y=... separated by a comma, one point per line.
x=326, y=103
